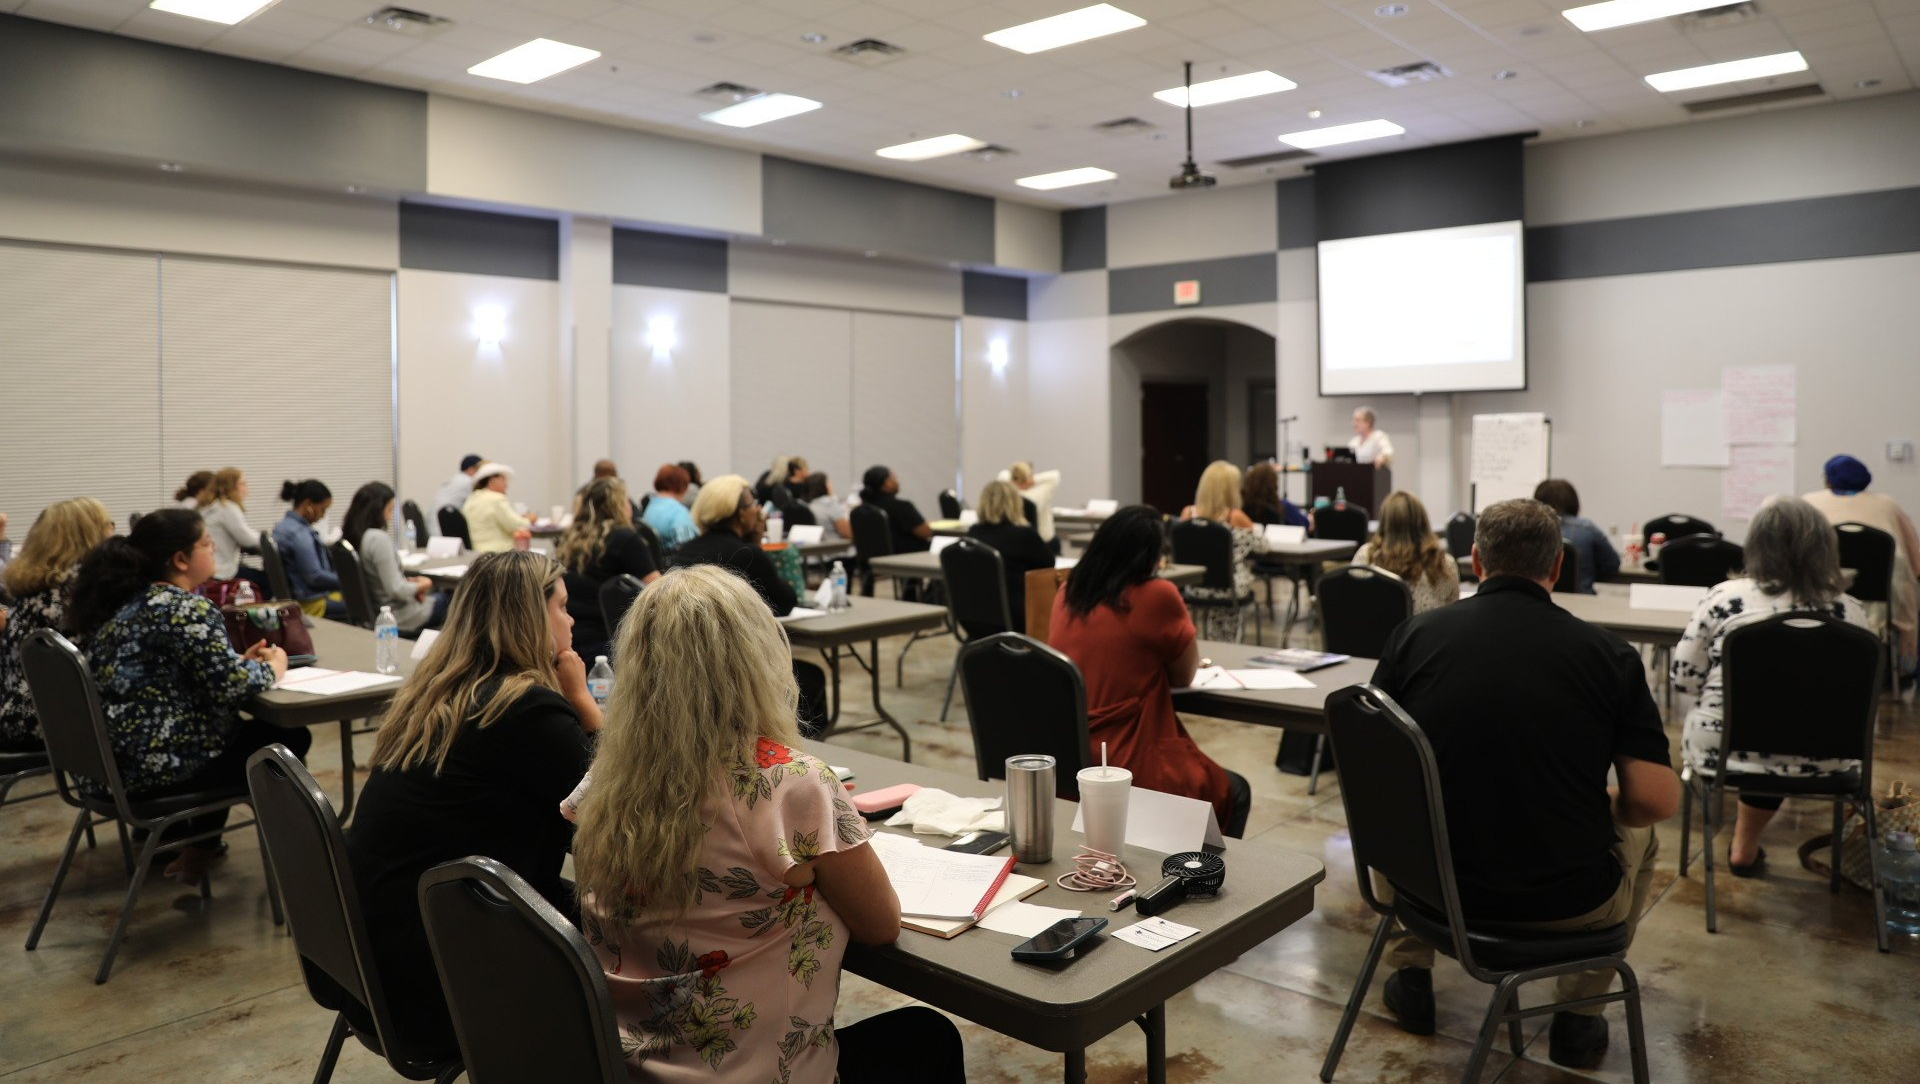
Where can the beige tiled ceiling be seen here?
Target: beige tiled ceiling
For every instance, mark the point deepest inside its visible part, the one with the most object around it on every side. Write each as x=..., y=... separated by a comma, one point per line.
x=656, y=53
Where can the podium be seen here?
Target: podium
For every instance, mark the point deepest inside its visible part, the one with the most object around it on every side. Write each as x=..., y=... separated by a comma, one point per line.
x=1366, y=485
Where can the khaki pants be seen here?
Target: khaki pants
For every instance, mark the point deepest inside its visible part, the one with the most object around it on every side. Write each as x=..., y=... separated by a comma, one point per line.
x=1635, y=849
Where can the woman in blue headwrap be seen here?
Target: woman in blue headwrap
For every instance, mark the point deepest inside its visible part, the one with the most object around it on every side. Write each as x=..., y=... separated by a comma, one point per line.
x=1845, y=500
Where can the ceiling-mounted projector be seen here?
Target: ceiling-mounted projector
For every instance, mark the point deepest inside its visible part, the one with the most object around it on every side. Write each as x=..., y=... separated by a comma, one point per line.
x=1190, y=175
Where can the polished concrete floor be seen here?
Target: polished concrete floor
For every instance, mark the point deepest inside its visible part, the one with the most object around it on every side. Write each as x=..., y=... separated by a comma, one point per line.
x=1790, y=989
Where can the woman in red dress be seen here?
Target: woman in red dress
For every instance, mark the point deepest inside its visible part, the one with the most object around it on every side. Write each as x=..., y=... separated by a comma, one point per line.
x=1129, y=632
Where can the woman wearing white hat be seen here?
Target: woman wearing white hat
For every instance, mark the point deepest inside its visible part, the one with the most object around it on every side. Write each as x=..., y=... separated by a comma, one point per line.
x=492, y=523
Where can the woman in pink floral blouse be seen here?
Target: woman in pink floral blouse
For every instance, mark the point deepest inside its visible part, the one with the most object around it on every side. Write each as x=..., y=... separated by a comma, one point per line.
x=721, y=869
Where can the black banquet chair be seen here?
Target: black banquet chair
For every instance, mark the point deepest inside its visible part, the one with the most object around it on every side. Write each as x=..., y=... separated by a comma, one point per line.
x=1769, y=705
x=977, y=603
x=453, y=524
x=355, y=591
x=1025, y=697
x=527, y=995
x=416, y=519
x=277, y=580
x=75, y=729
x=950, y=505
x=308, y=858
x=1360, y=606
x=1460, y=534
x=1396, y=819
x=1569, y=581
x=1210, y=545
x=1700, y=560
x=617, y=596
x=1870, y=553
x=1345, y=522
x=872, y=537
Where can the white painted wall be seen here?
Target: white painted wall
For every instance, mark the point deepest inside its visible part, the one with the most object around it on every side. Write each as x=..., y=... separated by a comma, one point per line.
x=995, y=411
x=457, y=396
x=669, y=406
x=1198, y=225
x=1068, y=381
x=766, y=272
x=585, y=327
x=1026, y=238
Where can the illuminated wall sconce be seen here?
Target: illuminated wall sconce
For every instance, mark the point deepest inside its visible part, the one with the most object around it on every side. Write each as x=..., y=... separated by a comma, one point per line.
x=489, y=324
x=997, y=355
x=663, y=337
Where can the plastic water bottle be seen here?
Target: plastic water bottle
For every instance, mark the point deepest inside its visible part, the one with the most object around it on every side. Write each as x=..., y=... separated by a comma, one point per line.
x=1339, y=496
x=839, y=577
x=600, y=680
x=412, y=536
x=776, y=527
x=386, y=642
x=1900, y=878
x=243, y=595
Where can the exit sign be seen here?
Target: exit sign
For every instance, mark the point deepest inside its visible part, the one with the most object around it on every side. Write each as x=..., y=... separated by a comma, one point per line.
x=1186, y=292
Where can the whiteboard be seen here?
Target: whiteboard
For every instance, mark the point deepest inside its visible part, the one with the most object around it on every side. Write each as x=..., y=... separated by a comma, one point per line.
x=1510, y=456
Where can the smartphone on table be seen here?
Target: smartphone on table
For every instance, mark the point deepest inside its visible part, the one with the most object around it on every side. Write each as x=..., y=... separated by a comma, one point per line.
x=1059, y=941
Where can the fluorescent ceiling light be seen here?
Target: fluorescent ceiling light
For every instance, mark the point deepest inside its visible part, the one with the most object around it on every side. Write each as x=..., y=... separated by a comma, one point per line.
x=1065, y=29
x=921, y=150
x=1231, y=89
x=534, y=61
x=1626, y=12
x=1316, y=138
x=760, y=109
x=1733, y=71
x=213, y=11
x=1066, y=178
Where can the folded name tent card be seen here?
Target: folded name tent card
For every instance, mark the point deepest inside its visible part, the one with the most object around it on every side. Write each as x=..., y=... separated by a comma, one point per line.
x=801, y=613
x=443, y=546
x=806, y=534
x=420, y=646
x=1664, y=596
x=1281, y=534
x=1065, y=562
x=969, y=517
x=941, y=542
x=1102, y=506
x=1167, y=823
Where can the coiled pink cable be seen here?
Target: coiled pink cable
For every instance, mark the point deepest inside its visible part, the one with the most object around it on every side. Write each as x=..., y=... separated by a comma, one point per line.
x=1095, y=871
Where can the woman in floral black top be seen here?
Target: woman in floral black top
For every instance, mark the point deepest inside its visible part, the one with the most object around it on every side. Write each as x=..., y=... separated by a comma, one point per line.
x=37, y=582
x=171, y=685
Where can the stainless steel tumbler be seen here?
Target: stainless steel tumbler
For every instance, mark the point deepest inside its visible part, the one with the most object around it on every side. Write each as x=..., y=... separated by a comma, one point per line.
x=1030, y=789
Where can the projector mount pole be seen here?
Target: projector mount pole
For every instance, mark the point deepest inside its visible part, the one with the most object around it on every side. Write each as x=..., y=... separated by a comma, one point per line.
x=1191, y=165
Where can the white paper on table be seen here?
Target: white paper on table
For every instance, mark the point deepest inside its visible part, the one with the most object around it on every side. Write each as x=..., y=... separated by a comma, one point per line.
x=334, y=683
x=969, y=517
x=1065, y=562
x=420, y=646
x=449, y=572
x=1102, y=506
x=1265, y=677
x=1664, y=596
x=1023, y=919
x=1281, y=534
x=415, y=559
x=1760, y=403
x=804, y=534
x=303, y=673
x=801, y=613
x=443, y=546
x=1693, y=428
x=1167, y=823
x=1758, y=471
x=940, y=542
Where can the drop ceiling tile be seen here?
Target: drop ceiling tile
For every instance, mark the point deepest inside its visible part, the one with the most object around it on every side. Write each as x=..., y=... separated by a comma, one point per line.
x=565, y=10
x=257, y=45
x=1855, y=34
x=171, y=29
x=88, y=14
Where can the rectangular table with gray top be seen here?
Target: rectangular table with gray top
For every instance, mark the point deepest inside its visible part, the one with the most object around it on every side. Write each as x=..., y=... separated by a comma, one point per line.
x=1068, y=1007
x=865, y=621
x=925, y=565
x=336, y=646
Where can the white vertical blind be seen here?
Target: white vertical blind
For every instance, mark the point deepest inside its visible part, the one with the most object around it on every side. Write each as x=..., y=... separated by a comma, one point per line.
x=904, y=386
x=79, y=382
x=284, y=372
x=792, y=374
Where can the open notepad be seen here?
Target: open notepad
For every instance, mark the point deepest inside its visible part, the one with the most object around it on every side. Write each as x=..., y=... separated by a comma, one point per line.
x=944, y=892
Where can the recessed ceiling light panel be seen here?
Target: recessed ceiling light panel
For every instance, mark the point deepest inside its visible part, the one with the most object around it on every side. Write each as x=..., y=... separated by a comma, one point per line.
x=226, y=12
x=1627, y=12
x=922, y=149
x=534, y=61
x=1732, y=71
x=1231, y=89
x=1341, y=133
x=761, y=110
x=1068, y=28
x=1067, y=178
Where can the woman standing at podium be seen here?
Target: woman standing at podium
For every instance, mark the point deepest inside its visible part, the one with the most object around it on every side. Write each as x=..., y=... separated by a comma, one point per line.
x=1370, y=445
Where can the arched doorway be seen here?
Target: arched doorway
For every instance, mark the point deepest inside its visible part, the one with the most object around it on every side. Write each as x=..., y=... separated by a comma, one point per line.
x=1186, y=392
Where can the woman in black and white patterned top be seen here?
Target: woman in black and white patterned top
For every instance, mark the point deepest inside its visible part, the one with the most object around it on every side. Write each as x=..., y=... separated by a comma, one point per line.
x=1792, y=563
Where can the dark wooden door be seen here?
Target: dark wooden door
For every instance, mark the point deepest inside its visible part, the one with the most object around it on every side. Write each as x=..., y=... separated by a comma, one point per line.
x=1173, y=443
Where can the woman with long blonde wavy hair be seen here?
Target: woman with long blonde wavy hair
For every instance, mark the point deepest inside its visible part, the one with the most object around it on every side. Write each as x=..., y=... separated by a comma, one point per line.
x=37, y=581
x=600, y=544
x=489, y=733
x=1218, y=499
x=722, y=870
x=1406, y=546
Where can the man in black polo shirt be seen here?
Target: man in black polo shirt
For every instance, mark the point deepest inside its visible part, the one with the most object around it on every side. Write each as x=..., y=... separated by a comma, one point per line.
x=882, y=490
x=1527, y=707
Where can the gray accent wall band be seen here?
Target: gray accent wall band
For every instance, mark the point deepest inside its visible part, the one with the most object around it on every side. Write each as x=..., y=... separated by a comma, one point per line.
x=838, y=208
x=478, y=242
x=72, y=91
x=1823, y=228
x=1294, y=216
x=1232, y=280
x=670, y=260
x=1003, y=297
x=1083, y=239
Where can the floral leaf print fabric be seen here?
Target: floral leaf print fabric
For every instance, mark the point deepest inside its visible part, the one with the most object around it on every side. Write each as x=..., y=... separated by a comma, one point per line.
x=690, y=989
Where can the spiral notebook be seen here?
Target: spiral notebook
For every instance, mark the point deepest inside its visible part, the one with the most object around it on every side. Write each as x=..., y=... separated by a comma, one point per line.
x=945, y=892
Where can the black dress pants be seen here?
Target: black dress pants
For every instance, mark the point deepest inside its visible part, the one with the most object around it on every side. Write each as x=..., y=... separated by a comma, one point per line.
x=914, y=1043
x=228, y=769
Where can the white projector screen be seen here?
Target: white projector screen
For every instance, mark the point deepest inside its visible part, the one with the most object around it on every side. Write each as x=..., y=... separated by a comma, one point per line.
x=1432, y=310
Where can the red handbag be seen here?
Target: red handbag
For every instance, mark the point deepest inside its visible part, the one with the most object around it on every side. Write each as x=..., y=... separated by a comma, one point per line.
x=278, y=623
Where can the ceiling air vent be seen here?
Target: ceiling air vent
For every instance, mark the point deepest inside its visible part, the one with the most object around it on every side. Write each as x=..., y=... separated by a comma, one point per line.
x=989, y=152
x=406, y=21
x=727, y=92
x=1406, y=75
x=1125, y=126
x=868, y=52
x=1275, y=158
x=1760, y=97
x=1715, y=18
